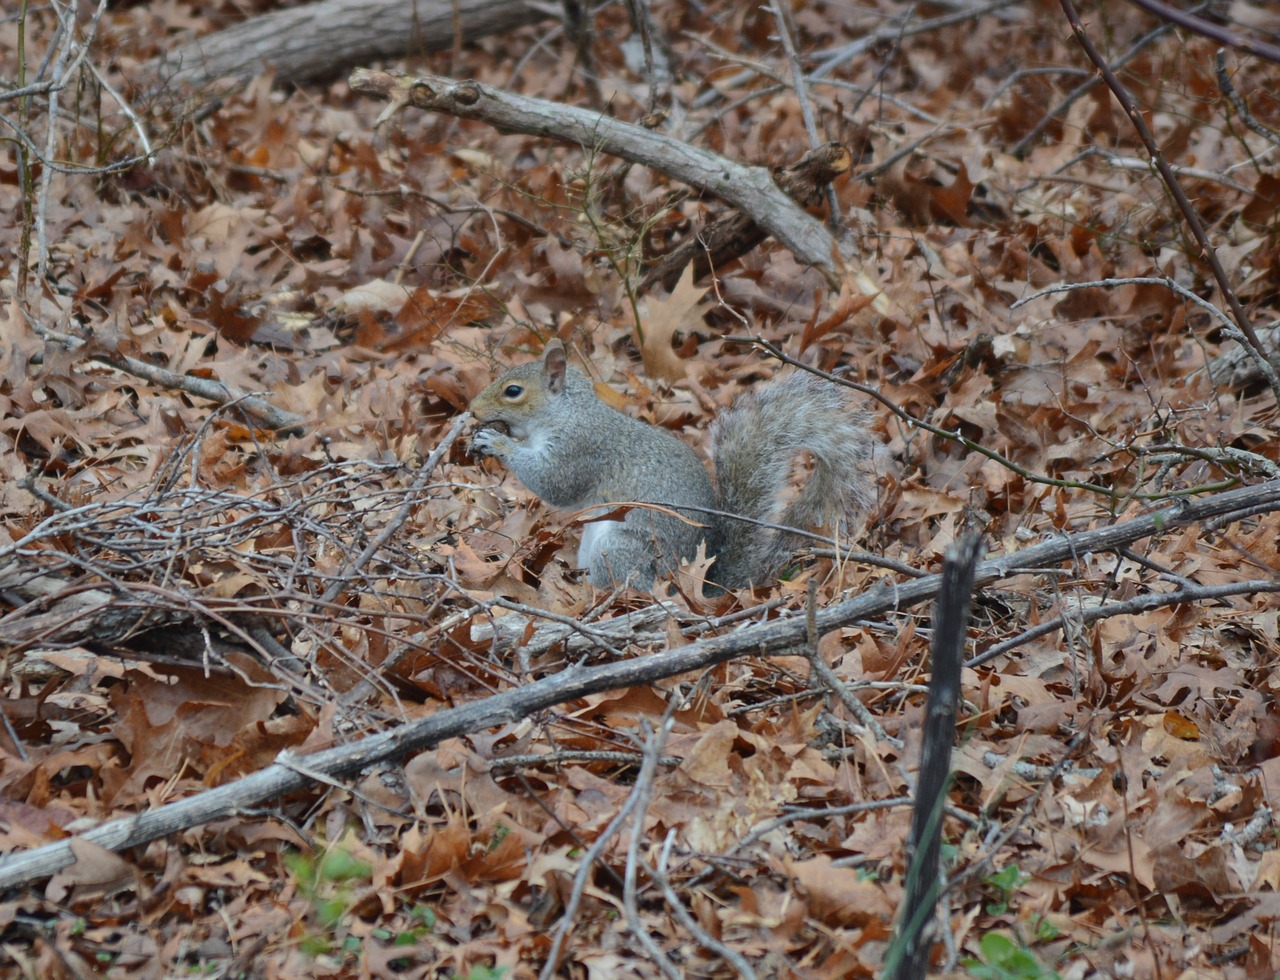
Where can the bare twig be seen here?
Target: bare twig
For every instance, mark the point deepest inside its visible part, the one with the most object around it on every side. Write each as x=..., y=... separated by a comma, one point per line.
x=793, y=814
x=831, y=680
x=957, y=436
x=575, y=682
x=642, y=792
x=566, y=757
x=1230, y=326
x=908, y=956
x=657, y=70
x=1189, y=213
x=1082, y=89
x=1221, y=33
x=1143, y=603
x=636, y=801
x=786, y=31
x=676, y=904
x=1241, y=107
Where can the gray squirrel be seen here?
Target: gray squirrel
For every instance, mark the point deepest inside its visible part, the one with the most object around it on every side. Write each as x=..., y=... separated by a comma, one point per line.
x=575, y=452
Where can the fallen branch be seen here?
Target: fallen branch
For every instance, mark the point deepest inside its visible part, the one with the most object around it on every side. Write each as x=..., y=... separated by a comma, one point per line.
x=277, y=419
x=749, y=189
x=734, y=234
x=68, y=613
x=778, y=636
x=285, y=423
x=318, y=40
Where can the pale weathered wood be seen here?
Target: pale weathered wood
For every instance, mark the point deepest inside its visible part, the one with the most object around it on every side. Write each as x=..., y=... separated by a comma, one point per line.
x=749, y=189
x=319, y=40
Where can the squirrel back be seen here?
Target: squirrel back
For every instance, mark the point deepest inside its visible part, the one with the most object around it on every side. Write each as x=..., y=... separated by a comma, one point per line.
x=575, y=452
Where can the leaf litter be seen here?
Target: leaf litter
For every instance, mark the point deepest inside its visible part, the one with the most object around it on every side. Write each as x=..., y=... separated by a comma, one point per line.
x=183, y=600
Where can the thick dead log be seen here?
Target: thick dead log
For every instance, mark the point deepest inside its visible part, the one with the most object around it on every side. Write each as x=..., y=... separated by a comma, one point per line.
x=321, y=39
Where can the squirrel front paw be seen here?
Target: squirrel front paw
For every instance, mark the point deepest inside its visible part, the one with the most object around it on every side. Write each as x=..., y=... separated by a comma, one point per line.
x=490, y=442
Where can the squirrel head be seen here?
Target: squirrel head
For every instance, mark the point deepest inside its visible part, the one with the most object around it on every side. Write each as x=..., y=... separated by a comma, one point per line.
x=517, y=398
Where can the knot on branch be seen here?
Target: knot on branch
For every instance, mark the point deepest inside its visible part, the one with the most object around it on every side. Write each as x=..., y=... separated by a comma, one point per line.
x=422, y=95
x=468, y=93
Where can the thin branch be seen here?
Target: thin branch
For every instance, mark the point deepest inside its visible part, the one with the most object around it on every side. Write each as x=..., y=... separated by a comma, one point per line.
x=789, y=816
x=567, y=756
x=676, y=904
x=1238, y=103
x=642, y=793
x=1082, y=89
x=831, y=681
x=1258, y=354
x=637, y=799
x=1143, y=603
x=908, y=956
x=520, y=702
x=1207, y=28
x=958, y=437
x=784, y=15
x=1189, y=214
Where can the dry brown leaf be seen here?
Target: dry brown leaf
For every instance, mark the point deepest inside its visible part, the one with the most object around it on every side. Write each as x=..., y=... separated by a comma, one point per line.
x=682, y=310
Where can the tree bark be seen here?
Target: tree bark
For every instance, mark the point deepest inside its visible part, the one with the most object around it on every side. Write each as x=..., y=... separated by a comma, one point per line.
x=319, y=40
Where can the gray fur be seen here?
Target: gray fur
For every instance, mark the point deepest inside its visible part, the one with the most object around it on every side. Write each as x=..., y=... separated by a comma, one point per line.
x=755, y=446
x=577, y=453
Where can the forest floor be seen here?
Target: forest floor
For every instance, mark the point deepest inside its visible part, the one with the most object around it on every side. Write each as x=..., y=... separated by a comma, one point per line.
x=185, y=594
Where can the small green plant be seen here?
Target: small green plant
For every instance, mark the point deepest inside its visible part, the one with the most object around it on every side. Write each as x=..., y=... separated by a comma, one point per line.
x=1003, y=959
x=1006, y=883
x=424, y=920
x=322, y=880
x=1046, y=931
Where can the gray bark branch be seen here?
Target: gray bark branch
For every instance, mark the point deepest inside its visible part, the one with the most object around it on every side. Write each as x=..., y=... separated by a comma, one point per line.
x=749, y=189
x=319, y=40
x=773, y=637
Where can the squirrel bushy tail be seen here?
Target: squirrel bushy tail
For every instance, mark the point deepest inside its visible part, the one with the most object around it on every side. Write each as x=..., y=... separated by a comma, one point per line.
x=755, y=446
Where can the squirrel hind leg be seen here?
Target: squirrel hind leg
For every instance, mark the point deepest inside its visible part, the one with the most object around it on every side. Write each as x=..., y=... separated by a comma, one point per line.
x=615, y=554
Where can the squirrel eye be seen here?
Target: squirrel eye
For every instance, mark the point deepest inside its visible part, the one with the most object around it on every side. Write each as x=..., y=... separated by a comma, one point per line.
x=512, y=391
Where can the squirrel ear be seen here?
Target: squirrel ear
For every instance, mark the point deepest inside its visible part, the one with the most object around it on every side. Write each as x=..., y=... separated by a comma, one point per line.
x=554, y=366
